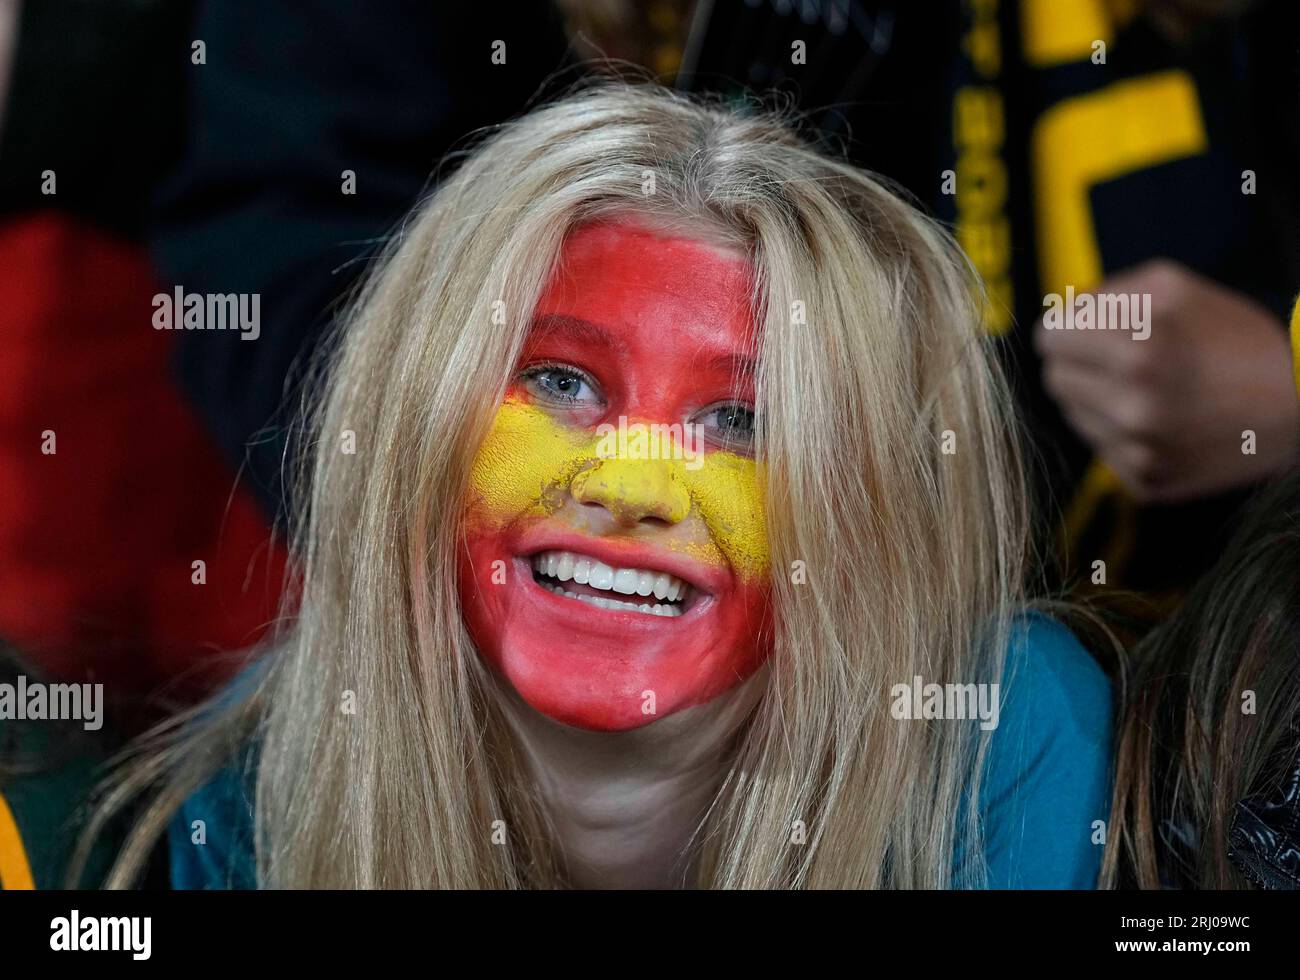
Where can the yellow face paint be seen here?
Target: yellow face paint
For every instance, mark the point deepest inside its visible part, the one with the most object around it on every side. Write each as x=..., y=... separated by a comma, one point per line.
x=529, y=463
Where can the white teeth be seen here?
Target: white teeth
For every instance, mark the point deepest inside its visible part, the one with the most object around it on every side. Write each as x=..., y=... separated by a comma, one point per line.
x=662, y=586
x=660, y=609
x=564, y=565
x=602, y=576
x=625, y=580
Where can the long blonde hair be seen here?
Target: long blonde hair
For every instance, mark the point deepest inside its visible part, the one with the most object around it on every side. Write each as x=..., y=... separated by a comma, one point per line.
x=893, y=475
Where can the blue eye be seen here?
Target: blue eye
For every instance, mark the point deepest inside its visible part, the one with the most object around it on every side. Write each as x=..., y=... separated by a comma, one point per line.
x=730, y=425
x=561, y=384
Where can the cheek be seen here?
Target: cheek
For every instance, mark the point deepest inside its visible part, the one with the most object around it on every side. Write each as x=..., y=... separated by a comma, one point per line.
x=522, y=466
x=746, y=632
x=484, y=602
x=728, y=490
x=516, y=474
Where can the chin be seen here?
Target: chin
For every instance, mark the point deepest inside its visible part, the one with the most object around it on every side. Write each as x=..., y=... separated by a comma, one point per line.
x=611, y=636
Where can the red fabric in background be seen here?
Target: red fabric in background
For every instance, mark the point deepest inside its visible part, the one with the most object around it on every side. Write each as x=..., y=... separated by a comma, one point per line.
x=97, y=540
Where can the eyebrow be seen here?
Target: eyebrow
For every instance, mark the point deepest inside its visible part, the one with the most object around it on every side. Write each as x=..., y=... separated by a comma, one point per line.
x=545, y=324
x=736, y=364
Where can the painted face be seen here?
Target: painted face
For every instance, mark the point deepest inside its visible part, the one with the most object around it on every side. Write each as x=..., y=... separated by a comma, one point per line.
x=615, y=568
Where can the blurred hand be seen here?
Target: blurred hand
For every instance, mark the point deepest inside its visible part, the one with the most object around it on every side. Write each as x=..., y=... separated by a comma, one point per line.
x=1167, y=413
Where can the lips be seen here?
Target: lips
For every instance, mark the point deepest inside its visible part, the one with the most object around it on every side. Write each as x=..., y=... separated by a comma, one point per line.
x=587, y=579
x=702, y=579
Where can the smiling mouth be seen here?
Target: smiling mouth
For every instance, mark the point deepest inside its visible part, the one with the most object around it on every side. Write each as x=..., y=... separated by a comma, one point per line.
x=643, y=590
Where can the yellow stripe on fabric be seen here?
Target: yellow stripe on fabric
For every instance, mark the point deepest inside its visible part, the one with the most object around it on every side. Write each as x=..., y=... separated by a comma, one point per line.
x=1080, y=142
x=15, y=873
x=1295, y=344
x=1056, y=33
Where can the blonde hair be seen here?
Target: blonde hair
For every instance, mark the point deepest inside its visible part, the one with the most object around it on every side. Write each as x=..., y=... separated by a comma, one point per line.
x=913, y=553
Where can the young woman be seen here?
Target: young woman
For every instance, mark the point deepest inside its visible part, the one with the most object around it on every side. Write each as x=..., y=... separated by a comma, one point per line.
x=666, y=528
x=1207, y=785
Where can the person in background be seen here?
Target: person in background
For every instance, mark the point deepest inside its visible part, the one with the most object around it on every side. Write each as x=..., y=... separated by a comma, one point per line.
x=274, y=167
x=128, y=555
x=1207, y=785
x=1137, y=147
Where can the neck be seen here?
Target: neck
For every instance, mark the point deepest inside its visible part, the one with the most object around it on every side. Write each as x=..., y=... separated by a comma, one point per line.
x=625, y=806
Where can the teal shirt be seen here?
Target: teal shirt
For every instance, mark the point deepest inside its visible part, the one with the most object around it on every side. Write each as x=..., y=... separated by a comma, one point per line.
x=1047, y=780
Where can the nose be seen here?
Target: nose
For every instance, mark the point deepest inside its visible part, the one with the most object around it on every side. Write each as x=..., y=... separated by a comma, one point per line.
x=633, y=490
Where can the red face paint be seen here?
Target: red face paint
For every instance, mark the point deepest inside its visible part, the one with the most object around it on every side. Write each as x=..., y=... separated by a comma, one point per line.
x=645, y=329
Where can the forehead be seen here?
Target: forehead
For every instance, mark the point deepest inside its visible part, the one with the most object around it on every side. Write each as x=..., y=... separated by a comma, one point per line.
x=637, y=282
